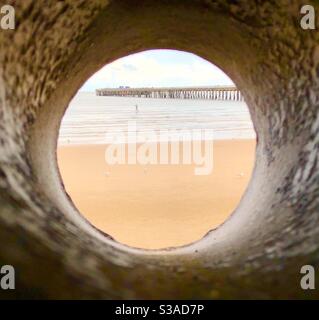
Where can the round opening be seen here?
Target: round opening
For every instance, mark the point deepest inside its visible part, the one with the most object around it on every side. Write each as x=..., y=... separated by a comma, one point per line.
x=156, y=149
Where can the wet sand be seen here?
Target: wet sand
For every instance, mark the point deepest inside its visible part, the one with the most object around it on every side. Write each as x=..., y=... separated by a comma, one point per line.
x=156, y=206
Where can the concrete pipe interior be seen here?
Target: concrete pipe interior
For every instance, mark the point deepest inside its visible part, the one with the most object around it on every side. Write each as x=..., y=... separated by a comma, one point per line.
x=259, y=251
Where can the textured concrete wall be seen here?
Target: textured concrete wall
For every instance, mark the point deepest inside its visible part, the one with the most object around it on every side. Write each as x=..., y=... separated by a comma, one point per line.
x=258, y=252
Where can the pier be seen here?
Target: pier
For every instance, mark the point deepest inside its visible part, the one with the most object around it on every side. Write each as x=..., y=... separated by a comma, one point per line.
x=204, y=93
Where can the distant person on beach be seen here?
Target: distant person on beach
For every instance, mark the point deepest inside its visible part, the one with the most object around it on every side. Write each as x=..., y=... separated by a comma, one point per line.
x=136, y=108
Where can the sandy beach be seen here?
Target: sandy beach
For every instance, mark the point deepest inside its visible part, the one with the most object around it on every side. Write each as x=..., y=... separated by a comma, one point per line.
x=156, y=206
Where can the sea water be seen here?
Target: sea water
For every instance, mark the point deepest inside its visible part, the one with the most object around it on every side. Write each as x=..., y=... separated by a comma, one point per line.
x=90, y=119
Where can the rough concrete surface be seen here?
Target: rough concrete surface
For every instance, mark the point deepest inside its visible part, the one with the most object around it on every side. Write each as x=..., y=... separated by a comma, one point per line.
x=258, y=252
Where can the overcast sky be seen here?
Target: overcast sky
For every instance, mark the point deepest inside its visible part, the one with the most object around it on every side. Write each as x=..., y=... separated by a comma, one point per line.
x=158, y=68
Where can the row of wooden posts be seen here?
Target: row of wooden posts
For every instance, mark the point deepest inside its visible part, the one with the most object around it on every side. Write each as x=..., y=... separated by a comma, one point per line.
x=208, y=93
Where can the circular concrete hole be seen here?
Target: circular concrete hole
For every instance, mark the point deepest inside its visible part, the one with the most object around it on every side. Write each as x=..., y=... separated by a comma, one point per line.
x=156, y=204
x=273, y=232
x=91, y=60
